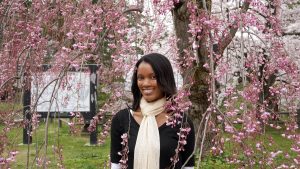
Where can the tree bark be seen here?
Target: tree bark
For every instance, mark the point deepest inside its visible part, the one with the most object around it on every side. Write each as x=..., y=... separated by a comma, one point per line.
x=200, y=75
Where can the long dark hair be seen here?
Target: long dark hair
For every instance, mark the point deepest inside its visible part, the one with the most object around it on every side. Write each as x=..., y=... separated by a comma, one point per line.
x=164, y=75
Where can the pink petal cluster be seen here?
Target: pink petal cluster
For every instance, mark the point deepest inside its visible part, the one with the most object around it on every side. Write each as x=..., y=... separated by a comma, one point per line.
x=177, y=106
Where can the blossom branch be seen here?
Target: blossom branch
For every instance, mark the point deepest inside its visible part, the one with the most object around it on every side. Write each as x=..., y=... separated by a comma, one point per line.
x=232, y=31
x=11, y=78
x=134, y=9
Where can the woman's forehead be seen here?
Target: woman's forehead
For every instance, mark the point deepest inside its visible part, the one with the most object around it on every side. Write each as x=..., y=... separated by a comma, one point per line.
x=145, y=68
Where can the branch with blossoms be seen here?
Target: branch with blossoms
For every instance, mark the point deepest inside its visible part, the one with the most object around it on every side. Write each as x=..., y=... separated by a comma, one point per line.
x=134, y=9
x=125, y=150
x=5, y=161
x=58, y=151
x=182, y=136
x=177, y=106
x=226, y=39
x=7, y=155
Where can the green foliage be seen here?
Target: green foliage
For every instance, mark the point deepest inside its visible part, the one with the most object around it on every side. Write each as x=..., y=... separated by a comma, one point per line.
x=102, y=97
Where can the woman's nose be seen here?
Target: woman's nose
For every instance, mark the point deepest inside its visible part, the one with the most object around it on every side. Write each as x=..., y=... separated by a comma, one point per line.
x=146, y=82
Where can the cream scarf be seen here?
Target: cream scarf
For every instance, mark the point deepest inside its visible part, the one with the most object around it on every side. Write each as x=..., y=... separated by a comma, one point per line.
x=147, y=147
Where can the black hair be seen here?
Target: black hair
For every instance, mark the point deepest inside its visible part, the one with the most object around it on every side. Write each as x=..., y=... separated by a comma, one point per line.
x=163, y=73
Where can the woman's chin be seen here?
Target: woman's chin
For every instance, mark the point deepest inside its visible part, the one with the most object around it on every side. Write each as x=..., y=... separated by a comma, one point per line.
x=151, y=98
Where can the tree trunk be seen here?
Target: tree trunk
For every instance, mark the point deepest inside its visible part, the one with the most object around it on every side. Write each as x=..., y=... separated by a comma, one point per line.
x=200, y=88
x=200, y=75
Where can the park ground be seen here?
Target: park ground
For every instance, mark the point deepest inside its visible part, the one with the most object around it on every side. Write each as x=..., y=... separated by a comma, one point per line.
x=77, y=153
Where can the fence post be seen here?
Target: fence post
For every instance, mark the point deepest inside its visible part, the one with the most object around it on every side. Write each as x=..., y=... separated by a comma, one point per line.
x=93, y=101
x=59, y=122
x=27, y=138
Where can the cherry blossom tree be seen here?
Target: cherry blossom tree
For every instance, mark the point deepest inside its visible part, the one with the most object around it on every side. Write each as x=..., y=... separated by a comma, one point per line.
x=212, y=43
x=213, y=31
x=64, y=34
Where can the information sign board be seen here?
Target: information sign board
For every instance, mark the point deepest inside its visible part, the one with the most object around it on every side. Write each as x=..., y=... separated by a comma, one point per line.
x=71, y=94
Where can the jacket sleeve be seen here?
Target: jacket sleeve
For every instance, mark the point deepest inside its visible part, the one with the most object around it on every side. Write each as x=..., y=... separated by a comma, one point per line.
x=115, y=145
x=189, y=147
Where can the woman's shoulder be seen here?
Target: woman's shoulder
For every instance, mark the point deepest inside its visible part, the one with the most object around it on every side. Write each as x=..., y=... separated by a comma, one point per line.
x=123, y=113
x=120, y=119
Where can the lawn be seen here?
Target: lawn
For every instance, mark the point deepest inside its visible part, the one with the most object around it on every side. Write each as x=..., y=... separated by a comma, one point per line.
x=75, y=151
x=76, y=154
x=271, y=141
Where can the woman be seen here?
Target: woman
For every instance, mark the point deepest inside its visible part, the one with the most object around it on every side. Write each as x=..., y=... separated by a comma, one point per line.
x=151, y=142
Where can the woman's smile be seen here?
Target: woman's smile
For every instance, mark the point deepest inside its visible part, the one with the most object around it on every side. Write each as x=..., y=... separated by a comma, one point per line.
x=147, y=91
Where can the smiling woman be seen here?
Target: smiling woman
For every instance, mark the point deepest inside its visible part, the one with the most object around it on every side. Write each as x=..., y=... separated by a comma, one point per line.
x=140, y=137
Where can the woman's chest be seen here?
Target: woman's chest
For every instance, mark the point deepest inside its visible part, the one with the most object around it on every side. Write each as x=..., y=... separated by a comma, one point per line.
x=168, y=139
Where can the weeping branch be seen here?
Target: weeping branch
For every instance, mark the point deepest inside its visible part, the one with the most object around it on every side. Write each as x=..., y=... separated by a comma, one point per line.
x=232, y=31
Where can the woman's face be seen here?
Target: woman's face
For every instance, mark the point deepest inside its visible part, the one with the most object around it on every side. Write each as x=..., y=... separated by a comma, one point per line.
x=147, y=83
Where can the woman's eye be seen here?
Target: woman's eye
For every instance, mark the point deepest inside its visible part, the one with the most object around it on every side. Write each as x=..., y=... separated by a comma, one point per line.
x=153, y=77
x=139, y=78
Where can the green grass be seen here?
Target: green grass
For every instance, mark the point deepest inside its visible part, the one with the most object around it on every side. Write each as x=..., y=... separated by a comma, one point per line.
x=271, y=136
x=9, y=106
x=10, y=110
x=76, y=154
